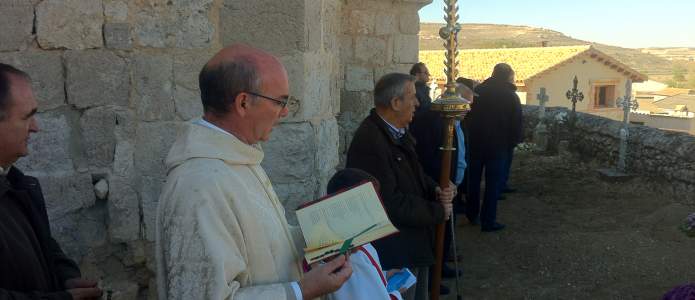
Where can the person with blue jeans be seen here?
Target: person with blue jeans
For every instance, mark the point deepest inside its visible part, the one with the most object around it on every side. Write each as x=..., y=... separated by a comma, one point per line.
x=494, y=126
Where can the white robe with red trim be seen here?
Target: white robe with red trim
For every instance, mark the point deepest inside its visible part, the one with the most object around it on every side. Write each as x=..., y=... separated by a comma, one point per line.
x=368, y=280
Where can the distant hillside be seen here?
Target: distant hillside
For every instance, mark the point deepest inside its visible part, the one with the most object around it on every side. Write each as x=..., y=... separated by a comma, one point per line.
x=684, y=54
x=482, y=36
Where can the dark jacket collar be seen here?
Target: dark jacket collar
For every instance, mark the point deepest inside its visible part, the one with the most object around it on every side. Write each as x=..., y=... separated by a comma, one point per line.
x=422, y=85
x=15, y=179
x=4, y=186
x=494, y=83
x=383, y=127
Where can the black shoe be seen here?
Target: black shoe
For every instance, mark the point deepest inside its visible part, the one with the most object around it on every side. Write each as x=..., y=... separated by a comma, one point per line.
x=501, y=197
x=494, y=227
x=443, y=290
x=473, y=221
x=448, y=272
x=508, y=190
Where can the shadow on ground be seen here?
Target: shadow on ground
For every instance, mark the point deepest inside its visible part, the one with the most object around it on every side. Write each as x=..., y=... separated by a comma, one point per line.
x=571, y=235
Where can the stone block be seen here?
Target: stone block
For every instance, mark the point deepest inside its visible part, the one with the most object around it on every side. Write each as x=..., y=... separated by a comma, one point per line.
x=124, y=150
x=154, y=91
x=314, y=27
x=46, y=71
x=346, y=48
x=127, y=123
x=152, y=28
x=358, y=78
x=386, y=23
x=80, y=232
x=320, y=72
x=279, y=29
x=153, y=140
x=49, y=149
x=66, y=193
x=181, y=24
x=370, y=50
x=289, y=154
x=327, y=145
x=357, y=102
x=409, y=23
x=375, y=5
x=362, y=22
x=405, y=49
x=96, y=77
x=149, y=189
x=123, y=159
x=193, y=30
x=331, y=22
x=117, y=36
x=188, y=105
x=392, y=68
x=17, y=22
x=295, y=66
x=98, y=132
x=116, y=10
x=123, y=210
x=71, y=24
x=187, y=66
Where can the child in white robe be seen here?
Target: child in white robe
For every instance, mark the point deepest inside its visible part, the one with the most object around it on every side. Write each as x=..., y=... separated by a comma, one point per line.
x=368, y=280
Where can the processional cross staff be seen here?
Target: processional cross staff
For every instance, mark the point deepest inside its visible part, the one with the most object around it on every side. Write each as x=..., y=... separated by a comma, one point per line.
x=628, y=104
x=574, y=95
x=451, y=106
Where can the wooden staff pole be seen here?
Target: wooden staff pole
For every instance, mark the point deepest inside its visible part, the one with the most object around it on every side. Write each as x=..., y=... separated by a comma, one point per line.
x=444, y=178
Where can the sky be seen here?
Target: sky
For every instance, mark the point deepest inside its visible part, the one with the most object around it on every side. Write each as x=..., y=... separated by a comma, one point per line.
x=631, y=24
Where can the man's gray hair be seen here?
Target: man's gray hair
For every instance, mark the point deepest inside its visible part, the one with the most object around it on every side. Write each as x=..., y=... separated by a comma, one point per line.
x=221, y=83
x=390, y=86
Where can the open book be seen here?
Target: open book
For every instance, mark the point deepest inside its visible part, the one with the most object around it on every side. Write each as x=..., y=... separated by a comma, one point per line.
x=339, y=222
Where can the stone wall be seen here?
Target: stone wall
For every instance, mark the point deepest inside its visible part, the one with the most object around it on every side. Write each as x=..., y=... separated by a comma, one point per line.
x=116, y=80
x=376, y=38
x=666, y=157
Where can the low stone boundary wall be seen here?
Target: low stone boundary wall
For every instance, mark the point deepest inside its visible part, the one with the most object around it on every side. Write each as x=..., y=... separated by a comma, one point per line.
x=666, y=157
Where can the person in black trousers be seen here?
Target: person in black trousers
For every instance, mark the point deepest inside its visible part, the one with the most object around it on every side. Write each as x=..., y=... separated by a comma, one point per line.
x=494, y=127
x=427, y=128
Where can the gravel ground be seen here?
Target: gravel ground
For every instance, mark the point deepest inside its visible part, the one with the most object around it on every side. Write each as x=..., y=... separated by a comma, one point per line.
x=571, y=235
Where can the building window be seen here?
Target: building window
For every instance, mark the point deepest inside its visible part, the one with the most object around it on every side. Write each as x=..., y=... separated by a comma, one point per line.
x=604, y=96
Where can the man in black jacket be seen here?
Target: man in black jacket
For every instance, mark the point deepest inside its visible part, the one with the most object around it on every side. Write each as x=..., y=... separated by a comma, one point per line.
x=32, y=265
x=383, y=147
x=494, y=128
x=428, y=130
x=422, y=91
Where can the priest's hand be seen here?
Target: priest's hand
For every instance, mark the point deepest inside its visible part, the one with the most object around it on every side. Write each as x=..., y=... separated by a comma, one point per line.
x=325, y=278
x=83, y=289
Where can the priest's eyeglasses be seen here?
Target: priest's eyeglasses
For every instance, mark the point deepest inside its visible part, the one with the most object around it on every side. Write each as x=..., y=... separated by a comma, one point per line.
x=282, y=102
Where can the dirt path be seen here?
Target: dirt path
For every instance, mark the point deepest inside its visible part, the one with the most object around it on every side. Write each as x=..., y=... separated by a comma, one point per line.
x=570, y=235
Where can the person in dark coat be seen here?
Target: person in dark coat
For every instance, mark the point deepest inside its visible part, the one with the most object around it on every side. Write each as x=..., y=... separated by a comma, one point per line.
x=32, y=264
x=422, y=91
x=493, y=127
x=428, y=130
x=383, y=147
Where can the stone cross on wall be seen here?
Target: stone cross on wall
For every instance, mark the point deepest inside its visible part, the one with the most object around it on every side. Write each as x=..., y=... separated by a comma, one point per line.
x=628, y=104
x=574, y=95
x=542, y=98
x=540, y=133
